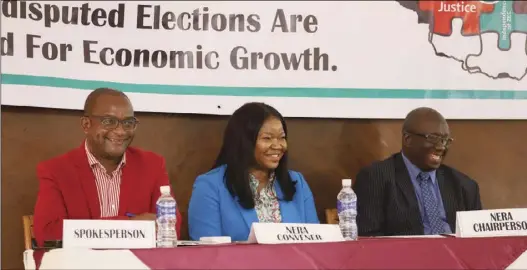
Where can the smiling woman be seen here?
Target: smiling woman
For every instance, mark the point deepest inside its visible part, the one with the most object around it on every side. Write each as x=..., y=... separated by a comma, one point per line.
x=250, y=181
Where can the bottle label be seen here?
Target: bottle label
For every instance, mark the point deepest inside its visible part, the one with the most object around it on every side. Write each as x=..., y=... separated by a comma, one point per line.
x=342, y=206
x=165, y=211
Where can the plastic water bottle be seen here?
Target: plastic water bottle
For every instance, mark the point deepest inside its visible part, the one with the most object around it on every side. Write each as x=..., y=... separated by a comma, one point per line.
x=166, y=219
x=347, y=211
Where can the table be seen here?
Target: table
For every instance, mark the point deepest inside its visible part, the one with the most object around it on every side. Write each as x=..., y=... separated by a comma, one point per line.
x=368, y=253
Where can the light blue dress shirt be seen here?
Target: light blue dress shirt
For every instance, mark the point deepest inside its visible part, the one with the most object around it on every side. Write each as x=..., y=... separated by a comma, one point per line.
x=414, y=172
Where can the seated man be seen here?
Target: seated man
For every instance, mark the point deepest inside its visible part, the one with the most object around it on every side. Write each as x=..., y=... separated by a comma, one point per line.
x=412, y=193
x=103, y=178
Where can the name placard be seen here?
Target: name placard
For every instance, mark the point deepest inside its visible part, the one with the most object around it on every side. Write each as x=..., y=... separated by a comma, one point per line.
x=108, y=234
x=492, y=223
x=284, y=233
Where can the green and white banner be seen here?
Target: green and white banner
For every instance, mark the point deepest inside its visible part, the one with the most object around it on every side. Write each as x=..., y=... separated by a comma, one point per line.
x=342, y=59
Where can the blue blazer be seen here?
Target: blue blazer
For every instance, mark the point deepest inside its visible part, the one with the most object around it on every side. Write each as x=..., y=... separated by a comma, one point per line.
x=214, y=212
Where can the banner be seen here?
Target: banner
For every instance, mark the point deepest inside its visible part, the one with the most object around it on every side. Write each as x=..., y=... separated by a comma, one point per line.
x=342, y=59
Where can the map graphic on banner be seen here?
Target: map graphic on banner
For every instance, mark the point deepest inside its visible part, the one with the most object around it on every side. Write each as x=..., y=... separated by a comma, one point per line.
x=321, y=59
x=483, y=35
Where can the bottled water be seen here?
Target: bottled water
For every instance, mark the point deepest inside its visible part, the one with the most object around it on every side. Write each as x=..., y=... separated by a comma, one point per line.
x=347, y=211
x=166, y=219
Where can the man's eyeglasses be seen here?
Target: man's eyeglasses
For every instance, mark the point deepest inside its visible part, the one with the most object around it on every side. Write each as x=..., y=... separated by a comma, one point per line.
x=110, y=122
x=434, y=139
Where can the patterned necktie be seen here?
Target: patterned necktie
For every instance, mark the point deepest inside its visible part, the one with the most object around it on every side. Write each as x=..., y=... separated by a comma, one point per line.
x=430, y=203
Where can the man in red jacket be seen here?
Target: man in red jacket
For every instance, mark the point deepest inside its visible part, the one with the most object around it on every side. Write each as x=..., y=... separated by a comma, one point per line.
x=103, y=178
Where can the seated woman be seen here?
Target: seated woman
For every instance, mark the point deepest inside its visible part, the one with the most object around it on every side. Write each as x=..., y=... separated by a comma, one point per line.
x=250, y=181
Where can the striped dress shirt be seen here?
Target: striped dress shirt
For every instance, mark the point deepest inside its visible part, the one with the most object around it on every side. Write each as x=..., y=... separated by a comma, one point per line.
x=108, y=185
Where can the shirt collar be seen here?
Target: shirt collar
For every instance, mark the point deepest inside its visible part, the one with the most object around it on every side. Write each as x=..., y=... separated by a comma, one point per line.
x=254, y=182
x=93, y=161
x=414, y=171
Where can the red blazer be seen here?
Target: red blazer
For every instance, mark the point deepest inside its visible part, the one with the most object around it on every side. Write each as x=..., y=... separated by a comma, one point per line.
x=67, y=190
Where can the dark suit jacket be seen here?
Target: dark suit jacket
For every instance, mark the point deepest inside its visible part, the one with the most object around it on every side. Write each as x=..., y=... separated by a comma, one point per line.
x=387, y=204
x=67, y=190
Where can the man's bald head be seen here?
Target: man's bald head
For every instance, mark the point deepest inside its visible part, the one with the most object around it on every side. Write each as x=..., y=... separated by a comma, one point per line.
x=426, y=138
x=94, y=96
x=417, y=116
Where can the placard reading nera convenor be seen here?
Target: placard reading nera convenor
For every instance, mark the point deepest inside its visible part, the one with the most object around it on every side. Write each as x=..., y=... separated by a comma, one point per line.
x=297, y=233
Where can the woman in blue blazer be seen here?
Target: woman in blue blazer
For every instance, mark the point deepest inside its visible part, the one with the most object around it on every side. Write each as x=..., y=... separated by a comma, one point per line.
x=250, y=181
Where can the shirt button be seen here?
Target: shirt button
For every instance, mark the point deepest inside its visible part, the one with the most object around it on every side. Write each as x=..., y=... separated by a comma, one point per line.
x=113, y=206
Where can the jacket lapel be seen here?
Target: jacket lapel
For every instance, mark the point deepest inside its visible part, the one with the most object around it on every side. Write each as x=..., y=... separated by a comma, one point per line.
x=447, y=195
x=249, y=215
x=128, y=178
x=87, y=181
x=287, y=210
x=404, y=183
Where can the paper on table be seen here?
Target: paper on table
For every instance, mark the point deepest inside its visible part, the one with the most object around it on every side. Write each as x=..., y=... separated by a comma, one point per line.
x=413, y=236
x=187, y=243
x=91, y=259
x=198, y=243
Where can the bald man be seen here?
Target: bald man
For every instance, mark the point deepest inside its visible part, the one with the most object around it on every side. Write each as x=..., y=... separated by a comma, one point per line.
x=412, y=192
x=104, y=178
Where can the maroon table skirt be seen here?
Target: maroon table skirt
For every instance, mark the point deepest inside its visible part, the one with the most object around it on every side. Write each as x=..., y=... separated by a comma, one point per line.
x=379, y=253
x=368, y=253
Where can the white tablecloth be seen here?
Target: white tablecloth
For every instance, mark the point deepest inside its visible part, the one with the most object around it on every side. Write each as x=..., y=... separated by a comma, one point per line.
x=520, y=262
x=85, y=259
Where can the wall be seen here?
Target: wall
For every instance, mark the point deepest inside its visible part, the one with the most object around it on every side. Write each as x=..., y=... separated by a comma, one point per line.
x=324, y=150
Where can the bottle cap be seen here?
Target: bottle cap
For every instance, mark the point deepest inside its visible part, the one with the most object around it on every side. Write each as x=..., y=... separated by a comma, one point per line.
x=346, y=182
x=164, y=189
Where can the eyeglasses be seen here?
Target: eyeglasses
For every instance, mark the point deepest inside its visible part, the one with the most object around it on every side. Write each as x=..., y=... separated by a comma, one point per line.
x=434, y=139
x=110, y=122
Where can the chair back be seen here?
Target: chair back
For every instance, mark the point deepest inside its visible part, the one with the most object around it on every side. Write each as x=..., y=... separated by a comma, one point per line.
x=332, y=216
x=29, y=237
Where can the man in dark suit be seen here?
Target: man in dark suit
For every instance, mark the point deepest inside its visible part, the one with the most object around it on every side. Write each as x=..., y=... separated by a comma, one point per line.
x=103, y=178
x=412, y=192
